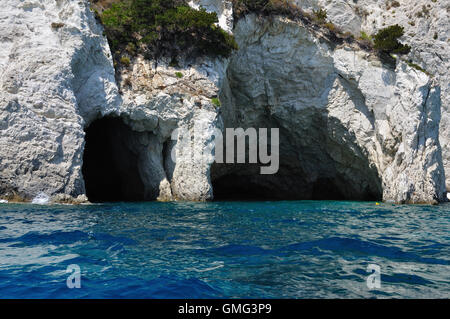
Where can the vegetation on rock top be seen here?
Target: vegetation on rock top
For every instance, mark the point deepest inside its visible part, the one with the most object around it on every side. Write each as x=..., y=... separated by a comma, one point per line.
x=315, y=21
x=171, y=28
x=164, y=28
x=386, y=40
x=265, y=7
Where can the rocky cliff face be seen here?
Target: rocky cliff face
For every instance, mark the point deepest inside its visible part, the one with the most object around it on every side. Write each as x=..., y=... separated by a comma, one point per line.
x=58, y=78
x=426, y=26
x=349, y=127
x=346, y=120
x=55, y=72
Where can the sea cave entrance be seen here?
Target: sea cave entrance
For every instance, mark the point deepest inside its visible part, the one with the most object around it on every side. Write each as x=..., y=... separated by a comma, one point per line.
x=311, y=171
x=245, y=183
x=110, y=166
x=240, y=185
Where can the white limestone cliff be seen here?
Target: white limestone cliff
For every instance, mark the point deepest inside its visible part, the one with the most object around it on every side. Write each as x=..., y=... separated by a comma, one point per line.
x=427, y=28
x=54, y=66
x=347, y=120
x=57, y=77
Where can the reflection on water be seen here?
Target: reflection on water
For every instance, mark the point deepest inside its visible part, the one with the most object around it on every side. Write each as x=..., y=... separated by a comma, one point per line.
x=294, y=249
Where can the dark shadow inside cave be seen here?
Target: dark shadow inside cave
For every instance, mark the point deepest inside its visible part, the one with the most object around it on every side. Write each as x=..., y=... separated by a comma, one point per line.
x=110, y=167
x=246, y=184
x=239, y=188
x=305, y=173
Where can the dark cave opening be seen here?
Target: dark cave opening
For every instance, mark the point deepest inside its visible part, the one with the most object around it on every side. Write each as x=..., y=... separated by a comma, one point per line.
x=236, y=188
x=311, y=166
x=242, y=187
x=326, y=189
x=110, y=167
x=243, y=182
x=113, y=172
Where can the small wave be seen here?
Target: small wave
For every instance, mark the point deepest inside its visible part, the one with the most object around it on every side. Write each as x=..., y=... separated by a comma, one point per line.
x=363, y=248
x=398, y=278
x=165, y=286
x=406, y=278
x=243, y=250
x=34, y=238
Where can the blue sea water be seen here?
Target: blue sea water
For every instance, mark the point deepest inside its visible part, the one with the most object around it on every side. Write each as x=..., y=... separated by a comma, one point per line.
x=288, y=249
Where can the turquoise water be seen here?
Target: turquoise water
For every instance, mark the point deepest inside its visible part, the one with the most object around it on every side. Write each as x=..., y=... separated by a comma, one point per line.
x=298, y=249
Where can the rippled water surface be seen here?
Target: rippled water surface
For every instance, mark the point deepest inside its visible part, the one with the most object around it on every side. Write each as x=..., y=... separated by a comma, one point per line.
x=225, y=249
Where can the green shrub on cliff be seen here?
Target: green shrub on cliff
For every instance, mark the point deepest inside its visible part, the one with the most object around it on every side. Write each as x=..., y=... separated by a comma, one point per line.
x=216, y=102
x=265, y=7
x=125, y=61
x=320, y=15
x=165, y=27
x=386, y=41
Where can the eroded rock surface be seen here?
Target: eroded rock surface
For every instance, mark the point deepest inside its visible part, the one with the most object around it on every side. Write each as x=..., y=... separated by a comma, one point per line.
x=349, y=126
x=55, y=67
x=345, y=120
x=427, y=29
